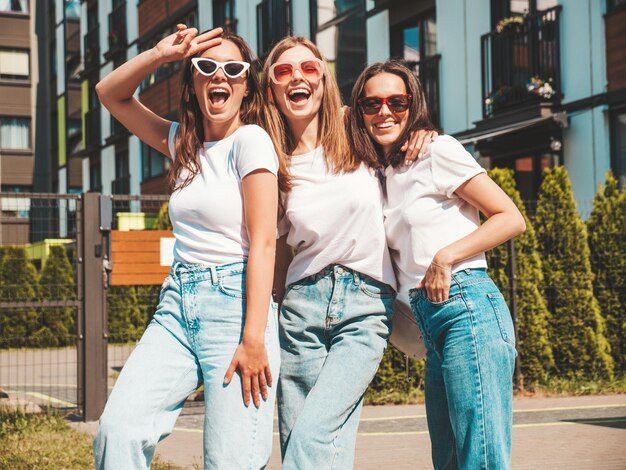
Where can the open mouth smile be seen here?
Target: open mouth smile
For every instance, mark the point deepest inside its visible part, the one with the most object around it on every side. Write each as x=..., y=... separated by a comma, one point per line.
x=218, y=96
x=299, y=96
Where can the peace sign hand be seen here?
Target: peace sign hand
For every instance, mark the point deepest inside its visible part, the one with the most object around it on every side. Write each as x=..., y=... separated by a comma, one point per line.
x=186, y=43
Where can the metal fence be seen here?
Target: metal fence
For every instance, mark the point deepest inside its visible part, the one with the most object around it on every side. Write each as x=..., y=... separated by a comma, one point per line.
x=66, y=329
x=39, y=309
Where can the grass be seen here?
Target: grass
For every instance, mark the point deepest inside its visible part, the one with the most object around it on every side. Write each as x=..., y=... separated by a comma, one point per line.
x=46, y=441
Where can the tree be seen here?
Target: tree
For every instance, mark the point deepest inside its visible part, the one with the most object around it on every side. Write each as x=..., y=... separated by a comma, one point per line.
x=18, y=282
x=607, y=241
x=57, y=326
x=576, y=326
x=163, y=219
x=533, y=344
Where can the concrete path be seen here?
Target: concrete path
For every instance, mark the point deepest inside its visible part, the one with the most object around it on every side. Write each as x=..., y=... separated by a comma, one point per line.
x=548, y=433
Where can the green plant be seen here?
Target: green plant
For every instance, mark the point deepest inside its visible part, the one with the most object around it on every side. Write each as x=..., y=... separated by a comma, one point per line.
x=163, y=219
x=126, y=319
x=511, y=23
x=576, y=326
x=19, y=281
x=534, y=348
x=397, y=380
x=607, y=241
x=57, y=325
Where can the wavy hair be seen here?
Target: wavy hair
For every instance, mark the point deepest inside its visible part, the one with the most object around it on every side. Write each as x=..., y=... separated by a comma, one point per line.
x=331, y=130
x=418, y=118
x=190, y=136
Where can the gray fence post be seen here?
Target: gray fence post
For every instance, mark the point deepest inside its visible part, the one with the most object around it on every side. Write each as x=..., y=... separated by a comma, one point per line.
x=93, y=347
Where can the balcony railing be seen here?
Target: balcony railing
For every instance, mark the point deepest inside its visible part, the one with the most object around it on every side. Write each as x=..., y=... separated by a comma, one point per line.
x=521, y=62
x=92, y=128
x=121, y=185
x=117, y=28
x=427, y=70
x=92, y=47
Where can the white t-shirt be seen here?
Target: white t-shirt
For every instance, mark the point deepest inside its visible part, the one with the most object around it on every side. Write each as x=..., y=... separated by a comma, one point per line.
x=207, y=215
x=334, y=219
x=422, y=213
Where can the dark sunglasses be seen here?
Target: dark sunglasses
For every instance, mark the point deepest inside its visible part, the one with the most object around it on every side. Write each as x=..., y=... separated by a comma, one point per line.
x=208, y=67
x=396, y=103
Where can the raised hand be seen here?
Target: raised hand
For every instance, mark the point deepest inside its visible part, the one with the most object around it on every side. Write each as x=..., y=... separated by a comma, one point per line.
x=186, y=43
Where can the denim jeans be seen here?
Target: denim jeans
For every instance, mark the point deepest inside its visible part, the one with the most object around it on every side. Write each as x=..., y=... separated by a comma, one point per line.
x=333, y=331
x=470, y=361
x=197, y=326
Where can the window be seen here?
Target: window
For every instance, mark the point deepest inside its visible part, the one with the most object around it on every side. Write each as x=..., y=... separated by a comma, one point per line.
x=14, y=64
x=17, y=6
x=154, y=163
x=224, y=15
x=273, y=18
x=166, y=70
x=504, y=8
x=15, y=133
x=614, y=4
x=339, y=27
x=95, y=177
x=618, y=160
x=72, y=8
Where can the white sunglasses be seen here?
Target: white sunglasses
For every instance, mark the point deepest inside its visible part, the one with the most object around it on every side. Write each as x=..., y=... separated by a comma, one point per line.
x=208, y=67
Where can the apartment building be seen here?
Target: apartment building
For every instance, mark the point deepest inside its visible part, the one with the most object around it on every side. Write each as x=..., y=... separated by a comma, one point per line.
x=523, y=84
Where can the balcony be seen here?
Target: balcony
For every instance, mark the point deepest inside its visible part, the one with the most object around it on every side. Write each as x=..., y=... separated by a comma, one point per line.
x=427, y=70
x=92, y=129
x=92, y=48
x=521, y=63
x=117, y=30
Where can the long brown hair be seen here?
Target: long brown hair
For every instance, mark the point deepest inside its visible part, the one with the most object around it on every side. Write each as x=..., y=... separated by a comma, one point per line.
x=190, y=136
x=331, y=130
x=418, y=117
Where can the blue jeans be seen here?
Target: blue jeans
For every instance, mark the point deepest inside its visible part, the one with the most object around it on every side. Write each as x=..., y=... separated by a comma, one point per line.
x=333, y=330
x=191, y=339
x=470, y=361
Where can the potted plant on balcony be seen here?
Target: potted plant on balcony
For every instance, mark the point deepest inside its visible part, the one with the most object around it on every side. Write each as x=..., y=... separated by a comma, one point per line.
x=510, y=24
x=542, y=88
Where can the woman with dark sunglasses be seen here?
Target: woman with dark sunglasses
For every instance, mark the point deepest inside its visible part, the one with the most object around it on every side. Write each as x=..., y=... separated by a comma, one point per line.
x=215, y=316
x=332, y=257
x=438, y=247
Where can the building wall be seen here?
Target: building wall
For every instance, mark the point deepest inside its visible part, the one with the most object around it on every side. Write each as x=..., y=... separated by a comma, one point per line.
x=17, y=97
x=460, y=23
x=583, y=65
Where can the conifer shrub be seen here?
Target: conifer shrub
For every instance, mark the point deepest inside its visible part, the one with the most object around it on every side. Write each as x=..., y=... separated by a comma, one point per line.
x=163, y=219
x=577, y=329
x=57, y=325
x=19, y=281
x=126, y=321
x=607, y=241
x=533, y=346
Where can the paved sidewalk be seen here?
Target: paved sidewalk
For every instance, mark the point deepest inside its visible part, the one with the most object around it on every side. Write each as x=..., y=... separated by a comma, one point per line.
x=548, y=433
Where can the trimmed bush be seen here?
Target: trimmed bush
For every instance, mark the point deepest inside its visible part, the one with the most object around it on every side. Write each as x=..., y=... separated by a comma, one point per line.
x=57, y=325
x=534, y=348
x=163, y=219
x=18, y=282
x=126, y=320
x=607, y=241
x=392, y=382
x=576, y=326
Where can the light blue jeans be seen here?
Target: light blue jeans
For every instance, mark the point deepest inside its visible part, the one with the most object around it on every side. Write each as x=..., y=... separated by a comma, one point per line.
x=470, y=360
x=333, y=328
x=192, y=338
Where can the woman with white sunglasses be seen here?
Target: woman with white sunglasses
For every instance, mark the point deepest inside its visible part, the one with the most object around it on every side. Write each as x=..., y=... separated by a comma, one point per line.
x=215, y=323
x=333, y=259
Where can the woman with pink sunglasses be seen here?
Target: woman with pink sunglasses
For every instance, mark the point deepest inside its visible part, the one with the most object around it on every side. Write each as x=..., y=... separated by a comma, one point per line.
x=334, y=273
x=215, y=314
